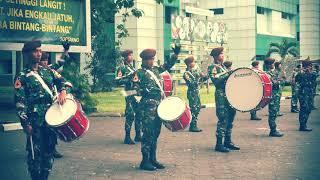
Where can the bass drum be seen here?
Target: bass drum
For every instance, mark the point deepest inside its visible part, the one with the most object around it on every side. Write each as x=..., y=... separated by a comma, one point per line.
x=175, y=113
x=248, y=89
x=67, y=120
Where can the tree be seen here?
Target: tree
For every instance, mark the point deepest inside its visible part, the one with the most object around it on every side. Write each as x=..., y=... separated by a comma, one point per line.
x=284, y=49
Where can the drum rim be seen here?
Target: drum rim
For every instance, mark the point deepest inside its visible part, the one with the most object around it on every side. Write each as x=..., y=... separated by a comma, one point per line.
x=180, y=113
x=225, y=83
x=65, y=122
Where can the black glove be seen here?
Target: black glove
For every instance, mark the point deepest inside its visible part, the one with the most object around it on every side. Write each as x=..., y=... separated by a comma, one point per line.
x=66, y=45
x=176, y=49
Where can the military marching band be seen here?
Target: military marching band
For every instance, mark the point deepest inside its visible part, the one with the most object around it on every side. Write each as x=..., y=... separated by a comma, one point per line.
x=38, y=86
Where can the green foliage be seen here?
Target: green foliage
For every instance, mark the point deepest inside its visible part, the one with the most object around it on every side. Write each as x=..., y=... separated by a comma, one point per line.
x=81, y=87
x=284, y=49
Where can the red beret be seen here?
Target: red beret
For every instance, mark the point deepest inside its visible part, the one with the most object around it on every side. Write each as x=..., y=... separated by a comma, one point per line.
x=31, y=46
x=306, y=63
x=255, y=63
x=216, y=51
x=189, y=60
x=269, y=61
x=147, y=54
x=126, y=53
x=227, y=64
x=44, y=56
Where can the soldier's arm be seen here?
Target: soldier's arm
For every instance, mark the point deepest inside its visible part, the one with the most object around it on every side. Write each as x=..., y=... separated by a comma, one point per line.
x=122, y=78
x=191, y=82
x=218, y=78
x=169, y=63
x=58, y=80
x=20, y=100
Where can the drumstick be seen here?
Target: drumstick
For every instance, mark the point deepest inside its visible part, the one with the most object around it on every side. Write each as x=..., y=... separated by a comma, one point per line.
x=32, y=150
x=56, y=91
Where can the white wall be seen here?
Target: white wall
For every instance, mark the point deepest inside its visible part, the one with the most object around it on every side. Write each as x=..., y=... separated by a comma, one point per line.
x=147, y=31
x=239, y=17
x=310, y=29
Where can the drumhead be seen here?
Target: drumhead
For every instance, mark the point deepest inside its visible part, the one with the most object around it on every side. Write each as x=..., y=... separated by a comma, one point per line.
x=59, y=114
x=171, y=108
x=244, y=89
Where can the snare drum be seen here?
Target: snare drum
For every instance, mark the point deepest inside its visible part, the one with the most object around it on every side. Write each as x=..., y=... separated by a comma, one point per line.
x=248, y=89
x=175, y=113
x=167, y=83
x=67, y=120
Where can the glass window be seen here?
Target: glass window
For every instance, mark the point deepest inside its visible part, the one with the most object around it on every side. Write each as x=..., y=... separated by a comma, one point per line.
x=260, y=10
x=217, y=11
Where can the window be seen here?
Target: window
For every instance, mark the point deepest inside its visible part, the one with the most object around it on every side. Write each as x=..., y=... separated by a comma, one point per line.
x=260, y=10
x=188, y=14
x=298, y=36
x=298, y=8
x=217, y=11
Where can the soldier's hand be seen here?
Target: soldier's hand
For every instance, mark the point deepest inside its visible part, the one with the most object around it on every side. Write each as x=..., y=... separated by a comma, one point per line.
x=62, y=97
x=176, y=49
x=66, y=45
x=202, y=75
x=28, y=130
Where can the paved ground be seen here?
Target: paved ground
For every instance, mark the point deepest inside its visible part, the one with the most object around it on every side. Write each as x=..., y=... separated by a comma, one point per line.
x=101, y=154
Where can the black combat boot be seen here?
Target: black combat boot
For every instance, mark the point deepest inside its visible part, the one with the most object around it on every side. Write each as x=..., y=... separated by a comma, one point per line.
x=194, y=128
x=229, y=144
x=275, y=133
x=127, y=139
x=145, y=163
x=294, y=109
x=304, y=128
x=137, y=138
x=44, y=175
x=35, y=175
x=254, y=117
x=153, y=158
x=220, y=147
x=56, y=154
x=280, y=114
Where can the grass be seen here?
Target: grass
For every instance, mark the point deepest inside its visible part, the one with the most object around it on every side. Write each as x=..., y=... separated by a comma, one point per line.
x=114, y=101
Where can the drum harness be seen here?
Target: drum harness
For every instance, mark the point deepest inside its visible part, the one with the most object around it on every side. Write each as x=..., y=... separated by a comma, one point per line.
x=153, y=76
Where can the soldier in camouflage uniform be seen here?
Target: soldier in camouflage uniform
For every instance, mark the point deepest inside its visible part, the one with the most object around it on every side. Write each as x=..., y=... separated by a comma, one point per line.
x=124, y=76
x=149, y=80
x=193, y=77
x=280, y=73
x=305, y=79
x=54, y=67
x=253, y=113
x=295, y=86
x=274, y=103
x=316, y=71
x=32, y=100
x=218, y=75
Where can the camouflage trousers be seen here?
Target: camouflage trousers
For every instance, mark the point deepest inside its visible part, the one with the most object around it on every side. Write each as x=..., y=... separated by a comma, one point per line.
x=225, y=115
x=305, y=108
x=273, y=109
x=151, y=125
x=132, y=114
x=294, y=97
x=195, y=104
x=44, y=141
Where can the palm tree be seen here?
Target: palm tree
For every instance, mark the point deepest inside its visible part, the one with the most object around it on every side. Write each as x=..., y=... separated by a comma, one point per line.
x=284, y=49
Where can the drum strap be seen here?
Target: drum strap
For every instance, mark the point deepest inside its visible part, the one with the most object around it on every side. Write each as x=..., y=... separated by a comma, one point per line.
x=190, y=74
x=43, y=84
x=153, y=76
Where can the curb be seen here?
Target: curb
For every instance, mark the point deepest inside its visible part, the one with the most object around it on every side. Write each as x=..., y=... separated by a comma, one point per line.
x=10, y=127
x=104, y=114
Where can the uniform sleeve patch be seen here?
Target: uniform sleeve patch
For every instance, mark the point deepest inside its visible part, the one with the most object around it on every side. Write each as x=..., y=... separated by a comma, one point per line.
x=17, y=84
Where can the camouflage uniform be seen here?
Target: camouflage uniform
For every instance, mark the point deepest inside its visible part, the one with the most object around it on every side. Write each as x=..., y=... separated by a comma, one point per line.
x=224, y=111
x=193, y=80
x=274, y=104
x=125, y=76
x=295, y=86
x=314, y=87
x=32, y=102
x=279, y=74
x=151, y=97
x=305, y=79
